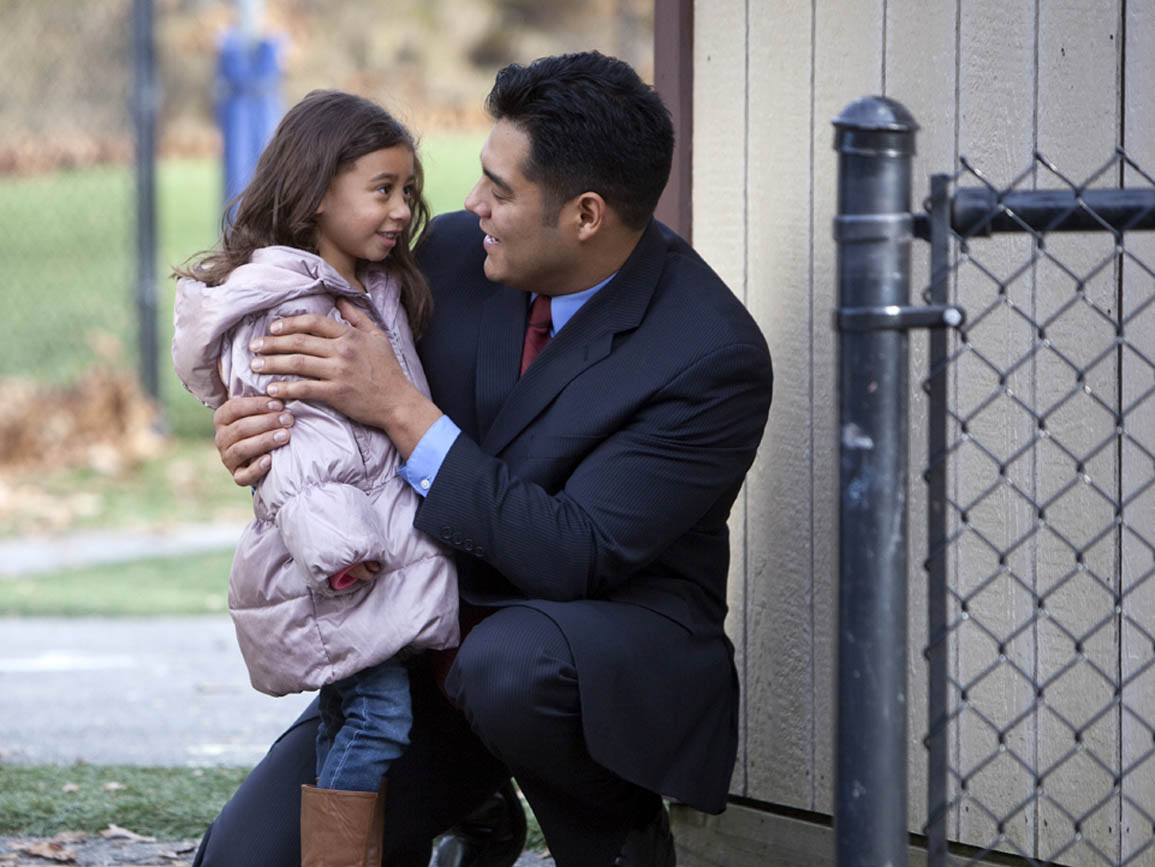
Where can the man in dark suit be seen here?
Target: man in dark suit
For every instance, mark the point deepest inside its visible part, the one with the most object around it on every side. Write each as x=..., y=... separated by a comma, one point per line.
x=598, y=396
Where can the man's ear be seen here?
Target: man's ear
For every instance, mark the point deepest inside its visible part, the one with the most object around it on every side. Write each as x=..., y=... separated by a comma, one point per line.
x=590, y=214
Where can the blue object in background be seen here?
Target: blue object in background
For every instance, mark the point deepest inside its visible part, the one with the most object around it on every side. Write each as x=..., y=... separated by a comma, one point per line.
x=250, y=105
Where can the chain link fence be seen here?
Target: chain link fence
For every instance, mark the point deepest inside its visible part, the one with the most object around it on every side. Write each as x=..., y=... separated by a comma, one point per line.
x=1045, y=633
x=67, y=194
x=1040, y=506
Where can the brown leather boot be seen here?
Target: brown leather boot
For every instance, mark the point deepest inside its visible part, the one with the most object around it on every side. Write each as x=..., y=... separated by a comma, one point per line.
x=341, y=829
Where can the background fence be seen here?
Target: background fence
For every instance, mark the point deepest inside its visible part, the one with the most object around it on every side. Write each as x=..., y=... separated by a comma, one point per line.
x=1041, y=507
x=67, y=189
x=1048, y=624
x=76, y=277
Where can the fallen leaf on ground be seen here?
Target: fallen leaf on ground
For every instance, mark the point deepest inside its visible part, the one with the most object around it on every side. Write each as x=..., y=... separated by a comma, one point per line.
x=70, y=837
x=113, y=786
x=51, y=851
x=115, y=832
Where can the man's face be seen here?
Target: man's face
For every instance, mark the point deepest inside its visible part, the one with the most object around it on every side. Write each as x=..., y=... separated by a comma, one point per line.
x=520, y=251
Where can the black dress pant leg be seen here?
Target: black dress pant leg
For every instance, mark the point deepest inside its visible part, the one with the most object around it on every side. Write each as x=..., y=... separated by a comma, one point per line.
x=444, y=773
x=260, y=825
x=515, y=680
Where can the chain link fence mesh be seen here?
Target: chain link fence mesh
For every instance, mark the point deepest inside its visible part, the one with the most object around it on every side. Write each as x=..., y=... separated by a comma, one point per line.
x=67, y=199
x=1049, y=545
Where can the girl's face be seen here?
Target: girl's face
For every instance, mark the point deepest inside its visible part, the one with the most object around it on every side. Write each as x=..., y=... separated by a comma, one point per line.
x=365, y=210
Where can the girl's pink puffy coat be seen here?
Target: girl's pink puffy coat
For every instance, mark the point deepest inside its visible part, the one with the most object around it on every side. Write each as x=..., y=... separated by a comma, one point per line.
x=332, y=498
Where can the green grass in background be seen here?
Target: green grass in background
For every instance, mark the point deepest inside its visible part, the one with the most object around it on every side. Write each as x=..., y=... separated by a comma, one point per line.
x=189, y=584
x=70, y=258
x=67, y=267
x=167, y=803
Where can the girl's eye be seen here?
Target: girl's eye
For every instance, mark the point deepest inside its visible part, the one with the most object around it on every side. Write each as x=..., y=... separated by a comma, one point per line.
x=385, y=189
x=410, y=192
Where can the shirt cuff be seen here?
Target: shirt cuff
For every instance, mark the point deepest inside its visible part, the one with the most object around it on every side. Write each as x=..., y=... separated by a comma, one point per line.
x=421, y=468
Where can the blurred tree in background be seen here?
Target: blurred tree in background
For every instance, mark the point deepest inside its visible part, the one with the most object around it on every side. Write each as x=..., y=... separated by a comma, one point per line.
x=68, y=381
x=65, y=65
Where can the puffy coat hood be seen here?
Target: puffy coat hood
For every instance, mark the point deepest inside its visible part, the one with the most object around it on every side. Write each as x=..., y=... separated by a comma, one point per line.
x=204, y=315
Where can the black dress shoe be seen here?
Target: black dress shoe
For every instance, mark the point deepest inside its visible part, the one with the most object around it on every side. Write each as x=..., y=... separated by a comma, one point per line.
x=652, y=845
x=493, y=835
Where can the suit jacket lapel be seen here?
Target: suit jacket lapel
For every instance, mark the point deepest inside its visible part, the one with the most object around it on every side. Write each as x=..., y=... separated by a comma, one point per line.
x=586, y=339
x=502, y=330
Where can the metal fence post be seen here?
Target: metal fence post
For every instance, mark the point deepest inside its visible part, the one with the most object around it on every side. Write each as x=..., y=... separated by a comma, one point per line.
x=875, y=140
x=144, y=118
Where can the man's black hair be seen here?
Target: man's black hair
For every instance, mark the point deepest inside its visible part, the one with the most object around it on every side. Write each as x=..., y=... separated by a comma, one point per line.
x=593, y=125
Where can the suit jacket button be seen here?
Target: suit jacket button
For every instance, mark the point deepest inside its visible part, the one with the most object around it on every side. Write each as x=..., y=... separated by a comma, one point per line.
x=467, y=545
x=479, y=552
x=458, y=539
x=445, y=534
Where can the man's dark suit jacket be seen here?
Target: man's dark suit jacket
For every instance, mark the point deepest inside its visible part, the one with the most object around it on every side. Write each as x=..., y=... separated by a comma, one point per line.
x=606, y=473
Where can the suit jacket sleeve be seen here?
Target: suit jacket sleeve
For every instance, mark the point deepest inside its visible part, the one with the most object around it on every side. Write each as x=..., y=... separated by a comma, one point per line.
x=636, y=492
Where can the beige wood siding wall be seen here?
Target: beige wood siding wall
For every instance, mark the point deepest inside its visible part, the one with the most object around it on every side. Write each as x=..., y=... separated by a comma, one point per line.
x=992, y=80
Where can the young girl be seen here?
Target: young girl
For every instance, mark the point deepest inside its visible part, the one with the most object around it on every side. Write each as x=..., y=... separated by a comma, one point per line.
x=330, y=583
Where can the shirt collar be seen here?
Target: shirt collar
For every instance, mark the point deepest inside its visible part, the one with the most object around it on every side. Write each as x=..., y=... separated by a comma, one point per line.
x=563, y=307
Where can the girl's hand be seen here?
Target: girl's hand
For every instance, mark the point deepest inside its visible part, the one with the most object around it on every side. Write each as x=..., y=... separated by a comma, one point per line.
x=366, y=571
x=247, y=430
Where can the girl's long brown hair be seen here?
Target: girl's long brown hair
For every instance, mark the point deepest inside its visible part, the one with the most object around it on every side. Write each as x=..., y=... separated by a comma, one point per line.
x=318, y=137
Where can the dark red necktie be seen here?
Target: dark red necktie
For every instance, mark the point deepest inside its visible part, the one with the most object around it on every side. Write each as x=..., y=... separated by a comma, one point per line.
x=537, y=332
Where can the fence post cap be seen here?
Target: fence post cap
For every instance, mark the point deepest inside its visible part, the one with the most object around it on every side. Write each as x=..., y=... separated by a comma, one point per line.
x=875, y=126
x=876, y=113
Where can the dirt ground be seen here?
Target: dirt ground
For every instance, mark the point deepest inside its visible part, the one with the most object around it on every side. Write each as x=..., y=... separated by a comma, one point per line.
x=92, y=850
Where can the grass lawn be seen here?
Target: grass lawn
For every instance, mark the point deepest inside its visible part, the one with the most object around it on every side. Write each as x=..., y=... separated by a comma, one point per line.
x=70, y=258
x=166, y=803
x=195, y=584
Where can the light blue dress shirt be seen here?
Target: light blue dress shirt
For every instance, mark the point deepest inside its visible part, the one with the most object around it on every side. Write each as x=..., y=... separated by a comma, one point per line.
x=421, y=468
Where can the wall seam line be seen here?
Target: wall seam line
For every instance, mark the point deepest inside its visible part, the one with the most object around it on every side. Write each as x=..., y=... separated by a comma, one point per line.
x=810, y=315
x=746, y=295
x=1120, y=298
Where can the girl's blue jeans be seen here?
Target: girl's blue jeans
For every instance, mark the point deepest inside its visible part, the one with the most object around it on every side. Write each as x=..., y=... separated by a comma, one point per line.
x=365, y=722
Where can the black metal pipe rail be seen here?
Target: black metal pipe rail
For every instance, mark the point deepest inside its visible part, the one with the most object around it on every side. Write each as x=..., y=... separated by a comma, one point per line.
x=980, y=211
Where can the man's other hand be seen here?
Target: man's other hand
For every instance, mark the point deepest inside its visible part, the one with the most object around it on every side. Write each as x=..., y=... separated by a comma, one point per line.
x=247, y=430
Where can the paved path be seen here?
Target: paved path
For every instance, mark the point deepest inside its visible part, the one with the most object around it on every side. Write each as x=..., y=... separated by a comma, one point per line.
x=162, y=691
x=167, y=691
x=36, y=554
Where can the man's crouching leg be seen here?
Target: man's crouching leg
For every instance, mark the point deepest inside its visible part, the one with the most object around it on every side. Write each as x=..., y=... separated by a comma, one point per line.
x=516, y=682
